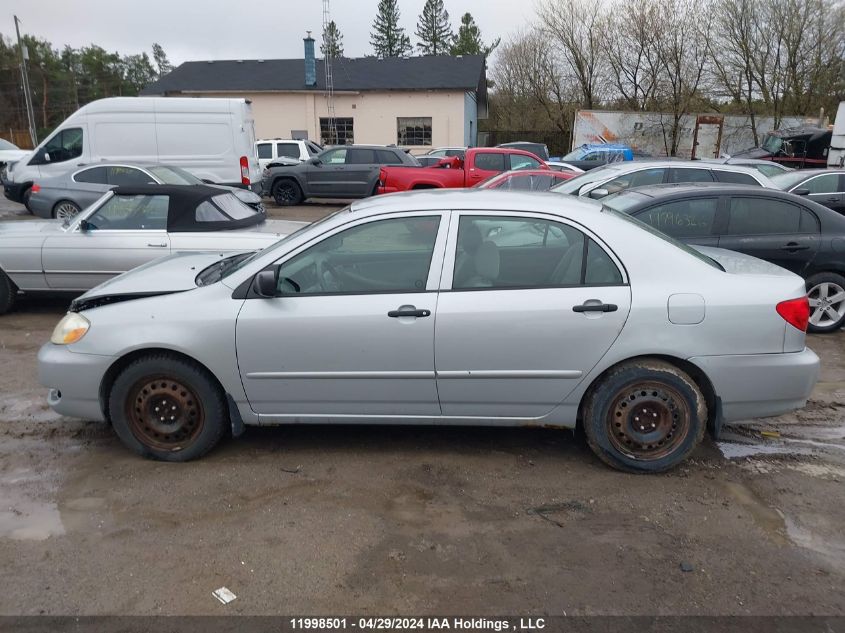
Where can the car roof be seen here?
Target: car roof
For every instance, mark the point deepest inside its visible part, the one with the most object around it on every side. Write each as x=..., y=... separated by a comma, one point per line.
x=700, y=189
x=624, y=166
x=816, y=172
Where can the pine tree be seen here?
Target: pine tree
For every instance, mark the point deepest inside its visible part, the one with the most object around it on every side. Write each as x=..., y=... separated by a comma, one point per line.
x=332, y=45
x=434, y=30
x=388, y=39
x=468, y=41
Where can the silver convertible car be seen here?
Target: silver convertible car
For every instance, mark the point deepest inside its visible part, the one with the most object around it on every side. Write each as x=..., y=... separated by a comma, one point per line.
x=125, y=228
x=446, y=307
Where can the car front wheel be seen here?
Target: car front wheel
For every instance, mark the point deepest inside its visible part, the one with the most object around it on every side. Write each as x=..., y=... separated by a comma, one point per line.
x=168, y=408
x=286, y=193
x=826, y=292
x=644, y=416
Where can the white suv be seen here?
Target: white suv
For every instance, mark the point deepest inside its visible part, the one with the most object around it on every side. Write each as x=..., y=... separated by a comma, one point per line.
x=270, y=149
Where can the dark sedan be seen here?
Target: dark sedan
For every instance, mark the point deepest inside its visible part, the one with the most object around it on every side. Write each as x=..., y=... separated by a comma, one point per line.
x=338, y=172
x=825, y=186
x=788, y=230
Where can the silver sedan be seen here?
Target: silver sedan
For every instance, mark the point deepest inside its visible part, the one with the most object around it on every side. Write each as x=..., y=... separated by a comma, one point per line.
x=447, y=307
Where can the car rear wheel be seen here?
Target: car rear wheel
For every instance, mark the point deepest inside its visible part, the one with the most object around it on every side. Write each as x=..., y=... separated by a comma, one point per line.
x=826, y=292
x=27, y=194
x=167, y=408
x=644, y=416
x=65, y=210
x=8, y=293
x=286, y=193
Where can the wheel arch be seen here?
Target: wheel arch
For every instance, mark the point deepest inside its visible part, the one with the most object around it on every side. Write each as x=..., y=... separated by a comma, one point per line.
x=426, y=185
x=701, y=379
x=127, y=359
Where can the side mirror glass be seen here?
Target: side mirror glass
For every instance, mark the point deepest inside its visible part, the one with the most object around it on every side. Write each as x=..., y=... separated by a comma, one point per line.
x=265, y=283
x=801, y=192
x=596, y=194
x=84, y=226
x=315, y=161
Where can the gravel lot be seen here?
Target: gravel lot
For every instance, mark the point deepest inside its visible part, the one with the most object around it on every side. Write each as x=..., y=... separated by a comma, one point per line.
x=412, y=520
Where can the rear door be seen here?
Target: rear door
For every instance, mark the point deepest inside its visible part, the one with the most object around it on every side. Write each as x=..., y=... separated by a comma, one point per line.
x=778, y=231
x=362, y=165
x=827, y=189
x=692, y=220
x=265, y=154
x=521, y=316
x=124, y=232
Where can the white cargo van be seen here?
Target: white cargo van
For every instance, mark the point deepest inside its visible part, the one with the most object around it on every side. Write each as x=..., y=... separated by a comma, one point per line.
x=214, y=139
x=836, y=153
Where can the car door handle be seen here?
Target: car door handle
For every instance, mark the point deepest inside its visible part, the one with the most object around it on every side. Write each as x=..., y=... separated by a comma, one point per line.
x=157, y=245
x=595, y=307
x=833, y=199
x=793, y=247
x=408, y=312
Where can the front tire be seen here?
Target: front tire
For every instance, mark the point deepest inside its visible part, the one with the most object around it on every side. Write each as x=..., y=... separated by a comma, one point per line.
x=167, y=408
x=644, y=416
x=826, y=292
x=8, y=293
x=286, y=193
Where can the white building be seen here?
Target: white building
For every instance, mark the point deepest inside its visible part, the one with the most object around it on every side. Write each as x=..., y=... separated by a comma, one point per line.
x=416, y=102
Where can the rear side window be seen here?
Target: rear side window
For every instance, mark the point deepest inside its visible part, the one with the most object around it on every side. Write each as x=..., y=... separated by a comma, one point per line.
x=490, y=161
x=265, y=150
x=128, y=176
x=636, y=179
x=359, y=156
x=289, y=150
x=760, y=216
x=828, y=183
x=386, y=157
x=513, y=252
x=518, y=161
x=735, y=177
x=690, y=175
x=95, y=175
x=683, y=218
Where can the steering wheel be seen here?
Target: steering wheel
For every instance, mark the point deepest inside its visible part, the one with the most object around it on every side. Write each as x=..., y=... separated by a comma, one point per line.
x=327, y=276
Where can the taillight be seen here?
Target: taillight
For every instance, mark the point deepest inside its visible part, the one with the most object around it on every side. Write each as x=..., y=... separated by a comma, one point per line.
x=244, y=170
x=35, y=188
x=796, y=312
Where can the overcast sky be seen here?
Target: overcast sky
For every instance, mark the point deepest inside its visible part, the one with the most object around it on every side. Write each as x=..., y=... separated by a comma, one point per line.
x=232, y=29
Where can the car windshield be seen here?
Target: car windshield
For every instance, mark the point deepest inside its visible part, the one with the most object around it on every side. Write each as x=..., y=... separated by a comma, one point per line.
x=7, y=145
x=650, y=229
x=789, y=179
x=574, y=184
x=624, y=200
x=173, y=176
x=772, y=144
x=575, y=154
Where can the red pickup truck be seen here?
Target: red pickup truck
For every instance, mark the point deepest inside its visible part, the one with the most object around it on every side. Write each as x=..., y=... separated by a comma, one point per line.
x=478, y=164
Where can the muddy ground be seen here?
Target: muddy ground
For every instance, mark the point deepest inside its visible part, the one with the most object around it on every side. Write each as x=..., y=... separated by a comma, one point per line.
x=379, y=520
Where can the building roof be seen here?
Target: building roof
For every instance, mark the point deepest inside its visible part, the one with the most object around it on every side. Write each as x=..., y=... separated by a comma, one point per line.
x=361, y=74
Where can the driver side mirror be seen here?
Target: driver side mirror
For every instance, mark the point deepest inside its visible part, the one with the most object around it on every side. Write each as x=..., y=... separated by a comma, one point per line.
x=801, y=192
x=46, y=157
x=84, y=226
x=315, y=161
x=596, y=194
x=265, y=284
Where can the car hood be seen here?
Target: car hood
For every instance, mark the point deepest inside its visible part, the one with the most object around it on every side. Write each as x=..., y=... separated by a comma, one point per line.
x=741, y=264
x=12, y=155
x=174, y=273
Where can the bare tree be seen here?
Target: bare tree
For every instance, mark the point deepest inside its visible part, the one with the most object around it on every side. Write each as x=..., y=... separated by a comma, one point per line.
x=633, y=61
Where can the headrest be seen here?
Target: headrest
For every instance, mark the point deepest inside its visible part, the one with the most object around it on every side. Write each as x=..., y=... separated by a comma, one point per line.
x=486, y=261
x=470, y=238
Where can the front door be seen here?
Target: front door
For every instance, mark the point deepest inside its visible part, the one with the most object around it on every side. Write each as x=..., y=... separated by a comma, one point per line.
x=827, y=189
x=777, y=231
x=121, y=234
x=525, y=314
x=327, y=179
x=351, y=330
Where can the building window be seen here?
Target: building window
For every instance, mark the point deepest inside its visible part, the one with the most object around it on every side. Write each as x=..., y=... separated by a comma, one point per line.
x=343, y=133
x=413, y=130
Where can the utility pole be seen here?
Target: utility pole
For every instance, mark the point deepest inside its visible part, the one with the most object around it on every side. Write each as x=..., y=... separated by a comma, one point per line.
x=27, y=95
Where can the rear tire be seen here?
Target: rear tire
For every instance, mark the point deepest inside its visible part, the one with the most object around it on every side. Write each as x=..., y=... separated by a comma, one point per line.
x=65, y=209
x=27, y=194
x=167, y=408
x=286, y=193
x=644, y=416
x=8, y=293
x=826, y=292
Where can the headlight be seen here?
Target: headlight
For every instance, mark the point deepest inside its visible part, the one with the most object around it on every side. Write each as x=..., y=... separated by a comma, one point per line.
x=70, y=329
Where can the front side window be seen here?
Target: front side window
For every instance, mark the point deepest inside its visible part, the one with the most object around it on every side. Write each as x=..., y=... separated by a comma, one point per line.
x=289, y=150
x=65, y=145
x=128, y=176
x=131, y=213
x=490, y=161
x=635, y=179
x=512, y=252
x=94, y=175
x=760, y=216
x=382, y=256
x=337, y=131
x=265, y=150
x=413, y=130
x=683, y=218
x=828, y=183
x=335, y=156
x=518, y=161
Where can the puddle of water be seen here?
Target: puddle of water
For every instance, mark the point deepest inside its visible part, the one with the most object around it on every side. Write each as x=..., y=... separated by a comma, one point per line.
x=736, y=451
x=769, y=519
x=801, y=536
x=23, y=517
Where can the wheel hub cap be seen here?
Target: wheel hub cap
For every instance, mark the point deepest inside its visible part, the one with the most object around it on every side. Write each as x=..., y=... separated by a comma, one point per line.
x=648, y=421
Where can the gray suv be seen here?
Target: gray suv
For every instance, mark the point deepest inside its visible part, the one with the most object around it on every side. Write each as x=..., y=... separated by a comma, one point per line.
x=349, y=171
